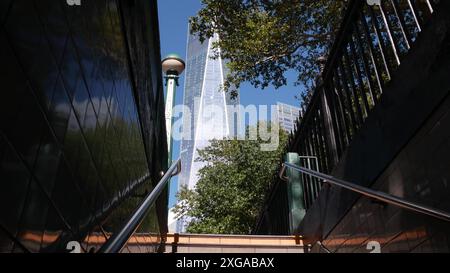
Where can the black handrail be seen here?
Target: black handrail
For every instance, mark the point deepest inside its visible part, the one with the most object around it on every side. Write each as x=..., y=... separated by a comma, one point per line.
x=381, y=196
x=323, y=247
x=118, y=240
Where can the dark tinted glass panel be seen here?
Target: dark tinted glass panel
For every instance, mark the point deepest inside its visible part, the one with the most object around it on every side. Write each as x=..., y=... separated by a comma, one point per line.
x=94, y=240
x=47, y=162
x=6, y=244
x=13, y=190
x=70, y=69
x=4, y=9
x=80, y=100
x=14, y=84
x=54, y=25
x=56, y=233
x=60, y=109
x=72, y=141
x=32, y=50
x=101, y=199
x=2, y=147
x=68, y=122
x=89, y=185
x=26, y=133
x=32, y=223
x=90, y=125
x=66, y=196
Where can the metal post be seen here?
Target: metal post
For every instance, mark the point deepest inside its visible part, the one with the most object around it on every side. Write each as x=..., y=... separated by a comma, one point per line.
x=295, y=194
x=172, y=67
x=171, y=87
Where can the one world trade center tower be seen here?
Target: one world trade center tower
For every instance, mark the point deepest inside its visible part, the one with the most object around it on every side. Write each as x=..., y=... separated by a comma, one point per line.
x=209, y=113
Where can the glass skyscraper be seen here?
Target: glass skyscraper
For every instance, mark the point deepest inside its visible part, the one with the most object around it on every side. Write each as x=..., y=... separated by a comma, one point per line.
x=287, y=116
x=207, y=115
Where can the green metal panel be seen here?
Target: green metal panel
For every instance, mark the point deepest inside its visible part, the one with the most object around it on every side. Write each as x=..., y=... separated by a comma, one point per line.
x=295, y=193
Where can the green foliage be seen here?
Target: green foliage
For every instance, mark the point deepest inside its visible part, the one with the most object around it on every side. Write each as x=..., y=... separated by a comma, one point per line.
x=263, y=39
x=231, y=187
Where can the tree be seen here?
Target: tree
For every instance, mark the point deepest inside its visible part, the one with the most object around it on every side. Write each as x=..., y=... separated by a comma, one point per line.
x=231, y=187
x=262, y=39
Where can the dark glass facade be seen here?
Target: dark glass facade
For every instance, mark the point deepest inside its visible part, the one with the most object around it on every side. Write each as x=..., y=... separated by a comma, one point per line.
x=81, y=121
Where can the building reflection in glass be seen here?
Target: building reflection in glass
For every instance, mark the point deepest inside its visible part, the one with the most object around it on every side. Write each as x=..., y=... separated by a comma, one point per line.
x=72, y=149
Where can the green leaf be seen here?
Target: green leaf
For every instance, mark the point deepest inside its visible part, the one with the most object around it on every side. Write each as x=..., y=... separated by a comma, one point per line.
x=231, y=188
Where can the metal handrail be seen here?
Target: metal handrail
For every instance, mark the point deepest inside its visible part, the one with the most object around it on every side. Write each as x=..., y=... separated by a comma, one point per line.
x=384, y=197
x=323, y=247
x=119, y=239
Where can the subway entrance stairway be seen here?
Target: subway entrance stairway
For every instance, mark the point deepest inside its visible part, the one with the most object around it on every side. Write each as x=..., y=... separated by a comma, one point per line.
x=366, y=169
x=127, y=240
x=82, y=97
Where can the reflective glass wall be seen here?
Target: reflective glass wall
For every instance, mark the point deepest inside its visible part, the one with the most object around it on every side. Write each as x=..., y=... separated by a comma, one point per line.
x=75, y=157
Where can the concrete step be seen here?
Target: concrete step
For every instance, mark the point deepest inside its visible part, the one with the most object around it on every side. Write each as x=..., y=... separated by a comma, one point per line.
x=215, y=243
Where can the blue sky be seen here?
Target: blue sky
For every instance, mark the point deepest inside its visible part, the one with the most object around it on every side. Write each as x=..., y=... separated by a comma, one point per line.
x=173, y=23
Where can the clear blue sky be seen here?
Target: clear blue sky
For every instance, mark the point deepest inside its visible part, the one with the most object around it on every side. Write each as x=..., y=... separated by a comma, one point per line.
x=173, y=20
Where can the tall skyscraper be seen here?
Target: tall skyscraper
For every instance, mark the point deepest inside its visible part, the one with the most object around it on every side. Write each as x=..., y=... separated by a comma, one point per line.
x=208, y=116
x=287, y=116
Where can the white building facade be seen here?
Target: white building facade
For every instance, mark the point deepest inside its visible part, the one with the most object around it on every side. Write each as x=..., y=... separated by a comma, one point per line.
x=287, y=116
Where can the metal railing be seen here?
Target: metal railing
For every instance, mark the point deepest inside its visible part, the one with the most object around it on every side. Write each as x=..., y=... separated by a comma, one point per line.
x=119, y=239
x=370, y=45
x=381, y=196
x=311, y=188
x=323, y=247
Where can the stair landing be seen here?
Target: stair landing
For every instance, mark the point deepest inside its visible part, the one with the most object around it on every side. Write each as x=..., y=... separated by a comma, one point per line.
x=213, y=243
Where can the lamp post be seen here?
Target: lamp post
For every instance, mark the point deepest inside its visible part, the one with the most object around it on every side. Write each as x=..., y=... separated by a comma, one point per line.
x=172, y=66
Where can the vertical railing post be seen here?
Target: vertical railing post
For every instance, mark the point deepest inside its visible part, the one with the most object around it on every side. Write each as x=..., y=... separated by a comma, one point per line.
x=329, y=131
